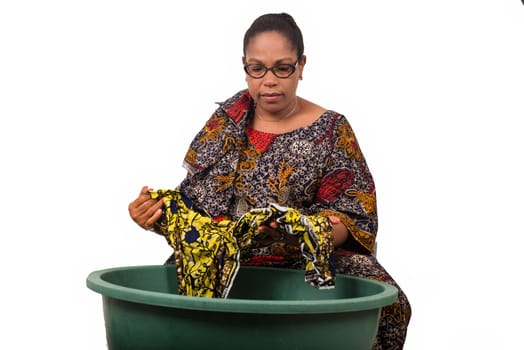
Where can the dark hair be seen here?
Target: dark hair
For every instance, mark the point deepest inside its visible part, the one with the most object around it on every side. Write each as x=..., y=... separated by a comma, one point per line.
x=279, y=22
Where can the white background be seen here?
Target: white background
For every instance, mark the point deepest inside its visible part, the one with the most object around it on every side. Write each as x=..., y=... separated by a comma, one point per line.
x=98, y=98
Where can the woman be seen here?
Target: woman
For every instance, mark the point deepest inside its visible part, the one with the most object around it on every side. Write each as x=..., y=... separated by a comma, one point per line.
x=267, y=145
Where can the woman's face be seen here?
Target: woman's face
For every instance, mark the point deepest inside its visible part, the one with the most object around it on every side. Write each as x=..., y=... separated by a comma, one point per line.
x=272, y=94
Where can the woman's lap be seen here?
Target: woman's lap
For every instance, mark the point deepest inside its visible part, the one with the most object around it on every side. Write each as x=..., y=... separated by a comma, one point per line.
x=395, y=318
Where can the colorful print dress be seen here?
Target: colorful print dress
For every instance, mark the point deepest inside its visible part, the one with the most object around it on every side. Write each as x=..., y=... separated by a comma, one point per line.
x=318, y=170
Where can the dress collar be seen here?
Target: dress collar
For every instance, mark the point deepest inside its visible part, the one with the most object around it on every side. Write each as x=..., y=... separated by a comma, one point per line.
x=238, y=107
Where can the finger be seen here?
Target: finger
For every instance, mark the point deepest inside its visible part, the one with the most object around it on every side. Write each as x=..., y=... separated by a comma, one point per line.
x=334, y=219
x=147, y=203
x=271, y=231
x=149, y=213
x=158, y=205
x=142, y=197
x=145, y=190
x=278, y=235
x=266, y=235
x=145, y=211
x=143, y=202
x=140, y=206
x=152, y=219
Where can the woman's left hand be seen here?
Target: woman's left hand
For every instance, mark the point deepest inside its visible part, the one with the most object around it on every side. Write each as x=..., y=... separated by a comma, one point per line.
x=278, y=235
x=340, y=231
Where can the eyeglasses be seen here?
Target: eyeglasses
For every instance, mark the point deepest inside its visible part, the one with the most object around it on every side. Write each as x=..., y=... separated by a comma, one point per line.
x=281, y=70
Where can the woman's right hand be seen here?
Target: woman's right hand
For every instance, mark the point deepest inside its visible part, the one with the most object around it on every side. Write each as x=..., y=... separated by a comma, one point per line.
x=144, y=210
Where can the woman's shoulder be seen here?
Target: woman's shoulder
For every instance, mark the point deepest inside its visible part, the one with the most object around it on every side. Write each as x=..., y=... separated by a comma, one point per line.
x=236, y=106
x=323, y=117
x=321, y=112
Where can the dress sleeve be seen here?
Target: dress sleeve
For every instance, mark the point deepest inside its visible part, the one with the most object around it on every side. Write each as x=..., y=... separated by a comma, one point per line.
x=347, y=190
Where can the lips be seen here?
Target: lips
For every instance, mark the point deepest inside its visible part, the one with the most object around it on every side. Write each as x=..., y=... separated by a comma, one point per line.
x=271, y=97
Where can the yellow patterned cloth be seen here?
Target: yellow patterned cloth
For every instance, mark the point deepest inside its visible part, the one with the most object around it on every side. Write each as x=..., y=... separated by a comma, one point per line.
x=207, y=252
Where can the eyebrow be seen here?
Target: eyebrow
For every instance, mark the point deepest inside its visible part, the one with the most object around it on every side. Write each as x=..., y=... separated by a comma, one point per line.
x=280, y=61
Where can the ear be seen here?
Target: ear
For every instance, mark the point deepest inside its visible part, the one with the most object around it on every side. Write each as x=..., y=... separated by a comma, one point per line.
x=301, y=65
x=302, y=60
x=243, y=64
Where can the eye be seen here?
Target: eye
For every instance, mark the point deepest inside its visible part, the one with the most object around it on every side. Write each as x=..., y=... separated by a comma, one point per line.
x=284, y=68
x=256, y=68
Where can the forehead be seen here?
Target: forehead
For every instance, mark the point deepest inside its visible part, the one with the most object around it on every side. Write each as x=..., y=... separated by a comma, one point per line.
x=270, y=45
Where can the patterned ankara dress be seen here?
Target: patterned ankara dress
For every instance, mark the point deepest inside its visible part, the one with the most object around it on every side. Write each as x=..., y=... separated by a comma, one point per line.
x=318, y=170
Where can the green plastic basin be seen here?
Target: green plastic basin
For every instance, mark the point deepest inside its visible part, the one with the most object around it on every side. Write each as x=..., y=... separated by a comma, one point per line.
x=267, y=308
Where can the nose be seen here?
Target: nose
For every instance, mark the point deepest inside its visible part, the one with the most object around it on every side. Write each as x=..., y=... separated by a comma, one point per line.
x=270, y=79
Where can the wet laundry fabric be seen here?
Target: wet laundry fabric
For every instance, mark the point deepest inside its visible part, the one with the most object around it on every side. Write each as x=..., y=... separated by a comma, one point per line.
x=207, y=250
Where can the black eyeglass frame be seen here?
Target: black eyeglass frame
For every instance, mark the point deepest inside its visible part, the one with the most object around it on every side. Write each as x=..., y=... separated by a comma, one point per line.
x=272, y=69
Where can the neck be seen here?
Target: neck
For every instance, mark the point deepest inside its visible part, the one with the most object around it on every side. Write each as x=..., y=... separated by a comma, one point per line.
x=292, y=110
